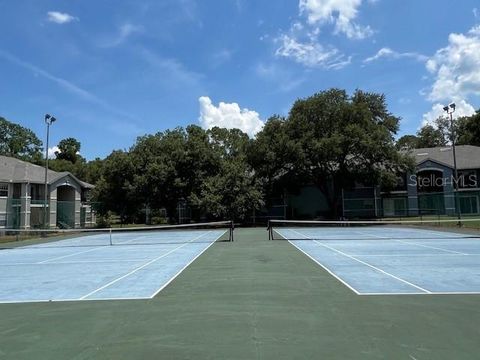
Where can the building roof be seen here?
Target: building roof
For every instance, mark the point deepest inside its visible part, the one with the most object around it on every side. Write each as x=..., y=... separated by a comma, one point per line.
x=468, y=156
x=18, y=171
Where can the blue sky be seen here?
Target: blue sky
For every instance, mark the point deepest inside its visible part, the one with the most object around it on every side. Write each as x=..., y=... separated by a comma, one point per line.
x=114, y=70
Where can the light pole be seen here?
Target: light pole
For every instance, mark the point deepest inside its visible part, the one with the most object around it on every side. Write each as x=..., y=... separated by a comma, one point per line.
x=450, y=109
x=49, y=120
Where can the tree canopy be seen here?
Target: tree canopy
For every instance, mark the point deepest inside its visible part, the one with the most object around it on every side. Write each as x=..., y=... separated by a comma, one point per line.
x=20, y=142
x=207, y=169
x=69, y=150
x=468, y=130
x=439, y=133
x=331, y=140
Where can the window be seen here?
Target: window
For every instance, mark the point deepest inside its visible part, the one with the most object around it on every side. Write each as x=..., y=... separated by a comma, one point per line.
x=86, y=195
x=37, y=192
x=3, y=220
x=3, y=190
x=17, y=191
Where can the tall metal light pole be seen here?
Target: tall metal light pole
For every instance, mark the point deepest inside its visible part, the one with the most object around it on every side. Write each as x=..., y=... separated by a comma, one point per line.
x=49, y=120
x=450, y=109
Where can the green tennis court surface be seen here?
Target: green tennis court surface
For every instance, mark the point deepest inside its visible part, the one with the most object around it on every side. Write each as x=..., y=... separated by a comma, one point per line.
x=250, y=299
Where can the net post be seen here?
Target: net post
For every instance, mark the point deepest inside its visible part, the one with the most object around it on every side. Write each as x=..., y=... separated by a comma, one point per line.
x=110, y=237
x=269, y=229
x=232, y=227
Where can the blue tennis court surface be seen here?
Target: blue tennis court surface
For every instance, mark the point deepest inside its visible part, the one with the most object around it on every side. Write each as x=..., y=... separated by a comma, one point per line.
x=389, y=260
x=67, y=270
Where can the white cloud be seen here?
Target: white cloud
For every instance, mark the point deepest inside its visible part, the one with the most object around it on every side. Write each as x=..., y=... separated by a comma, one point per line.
x=51, y=152
x=60, y=18
x=301, y=41
x=228, y=115
x=340, y=13
x=311, y=54
x=476, y=13
x=463, y=108
x=392, y=54
x=456, y=67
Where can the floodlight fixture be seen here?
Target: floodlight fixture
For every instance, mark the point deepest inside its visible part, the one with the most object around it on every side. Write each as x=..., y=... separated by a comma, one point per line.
x=49, y=119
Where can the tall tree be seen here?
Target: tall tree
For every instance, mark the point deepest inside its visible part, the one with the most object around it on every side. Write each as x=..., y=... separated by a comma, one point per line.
x=69, y=150
x=273, y=154
x=407, y=142
x=78, y=168
x=430, y=136
x=93, y=170
x=160, y=161
x=114, y=190
x=465, y=128
x=337, y=140
x=231, y=191
x=20, y=142
x=468, y=129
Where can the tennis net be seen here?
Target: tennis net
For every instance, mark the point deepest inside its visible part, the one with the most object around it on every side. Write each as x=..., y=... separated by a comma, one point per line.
x=373, y=230
x=146, y=235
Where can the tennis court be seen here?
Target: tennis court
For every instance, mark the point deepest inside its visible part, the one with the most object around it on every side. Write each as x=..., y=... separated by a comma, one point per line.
x=101, y=264
x=248, y=299
x=391, y=259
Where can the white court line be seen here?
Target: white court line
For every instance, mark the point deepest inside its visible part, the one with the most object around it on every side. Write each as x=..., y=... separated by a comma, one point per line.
x=422, y=293
x=127, y=241
x=69, y=255
x=409, y=255
x=97, y=261
x=430, y=247
x=149, y=298
x=366, y=264
x=438, y=234
x=327, y=269
x=86, y=251
x=412, y=243
x=181, y=270
x=67, y=300
x=321, y=265
x=73, y=262
x=141, y=267
x=369, y=234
